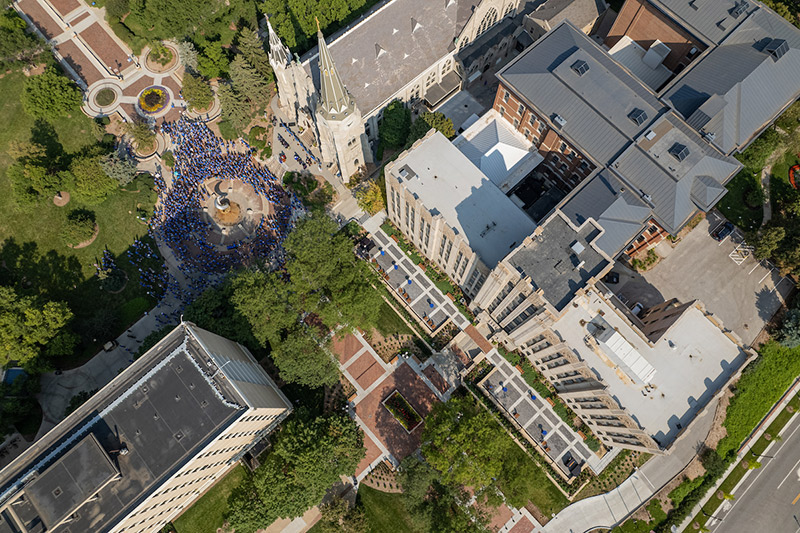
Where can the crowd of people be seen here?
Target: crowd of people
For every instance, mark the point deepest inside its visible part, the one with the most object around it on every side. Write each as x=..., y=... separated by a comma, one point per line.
x=179, y=219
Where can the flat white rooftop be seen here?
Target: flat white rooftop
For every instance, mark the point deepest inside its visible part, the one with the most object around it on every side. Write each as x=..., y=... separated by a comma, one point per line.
x=689, y=364
x=447, y=183
x=631, y=56
x=501, y=152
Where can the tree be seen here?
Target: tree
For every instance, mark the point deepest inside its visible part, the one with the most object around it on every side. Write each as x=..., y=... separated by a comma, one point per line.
x=300, y=359
x=117, y=8
x=265, y=300
x=188, y=56
x=119, y=167
x=26, y=151
x=248, y=83
x=252, y=48
x=197, y=91
x=50, y=95
x=322, y=264
x=309, y=456
x=338, y=517
x=142, y=135
x=213, y=61
x=42, y=180
x=429, y=120
x=396, y=125
x=370, y=198
x=789, y=334
x=15, y=43
x=18, y=402
x=462, y=442
x=92, y=185
x=27, y=326
x=168, y=158
x=235, y=109
x=79, y=227
x=769, y=242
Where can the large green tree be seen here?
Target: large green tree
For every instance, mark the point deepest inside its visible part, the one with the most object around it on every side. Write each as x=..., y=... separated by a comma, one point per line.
x=266, y=301
x=308, y=457
x=322, y=266
x=252, y=48
x=235, y=109
x=50, y=95
x=16, y=44
x=119, y=167
x=462, y=442
x=429, y=120
x=336, y=516
x=396, y=125
x=301, y=358
x=28, y=326
x=196, y=91
x=248, y=82
x=92, y=184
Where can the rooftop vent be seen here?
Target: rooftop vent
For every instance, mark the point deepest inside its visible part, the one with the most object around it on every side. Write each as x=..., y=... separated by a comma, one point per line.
x=650, y=135
x=776, y=48
x=560, y=121
x=379, y=51
x=577, y=247
x=638, y=116
x=581, y=67
x=740, y=9
x=415, y=25
x=679, y=151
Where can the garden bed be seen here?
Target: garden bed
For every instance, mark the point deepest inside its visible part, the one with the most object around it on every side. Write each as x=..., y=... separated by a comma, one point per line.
x=402, y=411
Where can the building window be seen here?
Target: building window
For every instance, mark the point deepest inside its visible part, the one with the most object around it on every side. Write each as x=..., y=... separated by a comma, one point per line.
x=447, y=252
x=563, y=167
x=489, y=19
x=459, y=257
x=413, y=218
x=531, y=119
x=509, y=8
x=563, y=147
x=442, y=247
x=408, y=214
x=502, y=111
x=556, y=159
x=527, y=133
x=584, y=166
x=447, y=66
x=430, y=80
x=506, y=97
x=516, y=123
x=521, y=109
x=540, y=127
x=571, y=156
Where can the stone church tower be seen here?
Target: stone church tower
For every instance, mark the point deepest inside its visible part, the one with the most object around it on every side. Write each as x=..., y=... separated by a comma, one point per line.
x=296, y=91
x=339, y=121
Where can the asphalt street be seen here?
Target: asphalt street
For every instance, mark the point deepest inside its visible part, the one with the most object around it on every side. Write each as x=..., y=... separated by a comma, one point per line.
x=769, y=497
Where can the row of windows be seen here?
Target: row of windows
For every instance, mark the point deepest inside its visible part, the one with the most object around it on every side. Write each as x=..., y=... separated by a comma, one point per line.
x=257, y=418
x=240, y=434
x=136, y=526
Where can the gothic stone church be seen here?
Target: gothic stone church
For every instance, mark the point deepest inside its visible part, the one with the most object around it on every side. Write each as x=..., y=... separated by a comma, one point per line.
x=403, y=49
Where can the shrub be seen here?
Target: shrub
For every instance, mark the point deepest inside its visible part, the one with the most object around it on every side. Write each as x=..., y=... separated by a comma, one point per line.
x=168, y=159
x=78, y=228
x=105, y=97
x=680, y=492
x=757, y=153
x=160, y=54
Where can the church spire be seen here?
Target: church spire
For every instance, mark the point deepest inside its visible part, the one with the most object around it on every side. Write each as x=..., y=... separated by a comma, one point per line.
x=334, y=97
x=278, y=52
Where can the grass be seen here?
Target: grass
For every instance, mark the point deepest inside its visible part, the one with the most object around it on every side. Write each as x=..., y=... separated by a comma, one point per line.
x=56, y=271
x=733, y=204
x=384, y=511
x=207, y=513
x=105, y=97
x=390, y=323
x=780, y=188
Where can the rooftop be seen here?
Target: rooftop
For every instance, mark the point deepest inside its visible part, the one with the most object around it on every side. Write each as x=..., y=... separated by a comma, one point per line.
x=372, y=55
x=504, y=155
x=734, y=104
x=448, y=183
x=620, y=212
x=630, y=55
x=133, y=434
x=684, y=368
x=711, y=20
x=560, y=259
x=580, y=12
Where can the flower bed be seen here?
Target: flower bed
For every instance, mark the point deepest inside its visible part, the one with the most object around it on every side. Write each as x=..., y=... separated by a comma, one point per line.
x=402, y=411
x=153, y=100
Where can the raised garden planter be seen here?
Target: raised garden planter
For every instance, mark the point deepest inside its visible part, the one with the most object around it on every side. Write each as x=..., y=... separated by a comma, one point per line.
x=402, y=411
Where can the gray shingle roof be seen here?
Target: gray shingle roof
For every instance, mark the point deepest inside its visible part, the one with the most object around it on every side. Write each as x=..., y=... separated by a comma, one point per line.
x=579, y=12
x=711, y=20
x=595, y=105
x=621, y=213
x=406, y=52
x=734, y=104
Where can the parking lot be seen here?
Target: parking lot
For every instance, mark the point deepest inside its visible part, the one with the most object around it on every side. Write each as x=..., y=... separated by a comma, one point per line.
x=739, y=290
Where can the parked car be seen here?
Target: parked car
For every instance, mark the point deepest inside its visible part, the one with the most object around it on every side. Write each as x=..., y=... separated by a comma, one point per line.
x=611, y=277
x=722, y=231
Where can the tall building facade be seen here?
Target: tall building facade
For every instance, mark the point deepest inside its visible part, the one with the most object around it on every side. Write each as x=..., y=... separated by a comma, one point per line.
x=144, y=447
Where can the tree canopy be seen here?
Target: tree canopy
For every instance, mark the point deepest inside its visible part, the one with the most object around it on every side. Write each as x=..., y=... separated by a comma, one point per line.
x=50, y=95
x=92, y=185
x=28, y=326
x=196, y=91
x=308, y=457
x=235, y=109
x=396, y=124
x=336, y=516
x=121, y=168
x=15, y=43
x=429, y=120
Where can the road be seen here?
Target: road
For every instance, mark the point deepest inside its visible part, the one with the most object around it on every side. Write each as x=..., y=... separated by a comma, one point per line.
x=769, y=498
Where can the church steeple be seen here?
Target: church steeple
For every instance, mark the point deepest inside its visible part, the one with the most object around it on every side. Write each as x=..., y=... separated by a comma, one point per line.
x=278, y=52
x=334, y=98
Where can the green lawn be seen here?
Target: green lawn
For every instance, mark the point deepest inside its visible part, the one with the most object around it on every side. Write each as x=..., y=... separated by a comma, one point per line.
x=733, y=204
x=384, y=511
x=31, y=241
x=390, y=323
x=207, y=513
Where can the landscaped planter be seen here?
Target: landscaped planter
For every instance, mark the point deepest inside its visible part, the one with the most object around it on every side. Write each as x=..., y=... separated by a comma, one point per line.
x=402, y=411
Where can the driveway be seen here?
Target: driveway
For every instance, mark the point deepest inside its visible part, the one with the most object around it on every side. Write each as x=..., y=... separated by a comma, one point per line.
x=740, y=291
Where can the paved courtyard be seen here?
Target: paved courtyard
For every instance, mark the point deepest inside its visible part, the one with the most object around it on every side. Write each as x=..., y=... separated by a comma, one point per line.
x=743, y=296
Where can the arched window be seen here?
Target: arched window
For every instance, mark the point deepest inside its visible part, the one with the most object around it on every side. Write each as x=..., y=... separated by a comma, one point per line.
x=488, y=21
x=447, y=66
x=509, y=9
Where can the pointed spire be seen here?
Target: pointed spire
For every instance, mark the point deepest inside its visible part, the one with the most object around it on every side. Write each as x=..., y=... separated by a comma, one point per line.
x=278, y=52
x=333, y=94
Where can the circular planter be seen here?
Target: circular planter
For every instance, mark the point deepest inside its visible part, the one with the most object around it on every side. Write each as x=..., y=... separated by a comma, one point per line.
x=153, y=100
x=154, y=66
x=87, y=242
x=105, y=97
